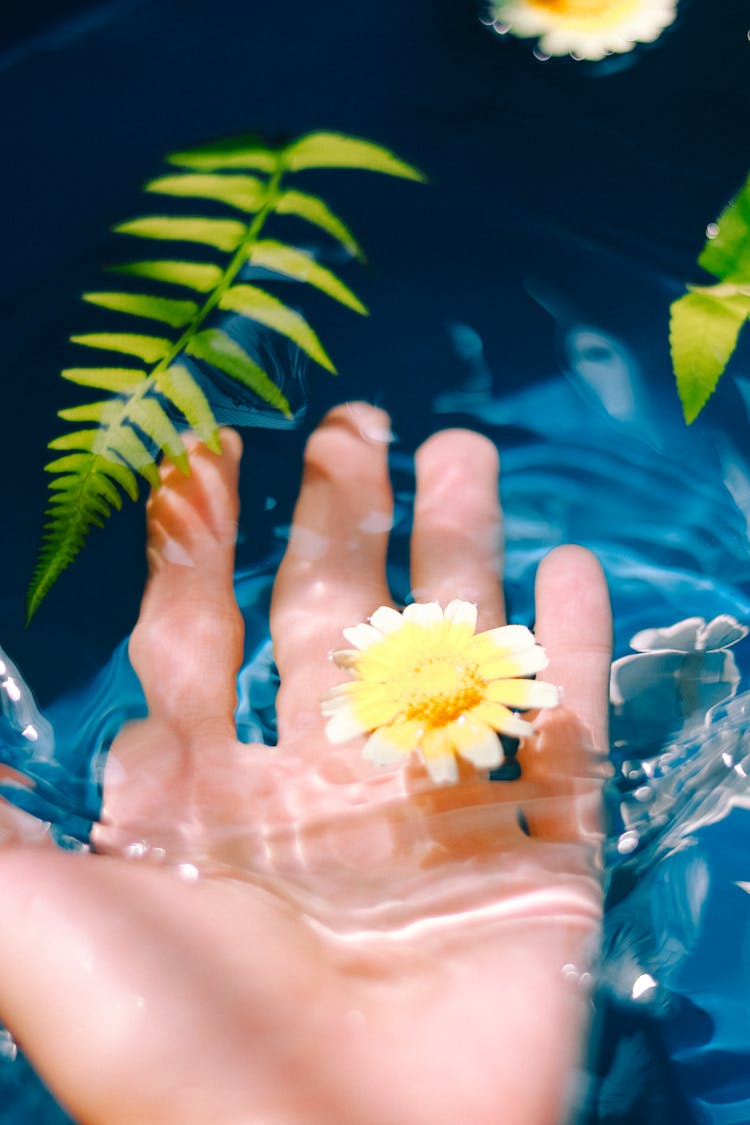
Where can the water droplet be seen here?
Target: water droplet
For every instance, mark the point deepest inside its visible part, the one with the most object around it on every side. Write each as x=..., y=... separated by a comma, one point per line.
x=628, y=842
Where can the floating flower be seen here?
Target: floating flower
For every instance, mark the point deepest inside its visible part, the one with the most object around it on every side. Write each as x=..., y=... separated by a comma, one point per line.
x=587, y=29
x=675, y=676
x=426, y=682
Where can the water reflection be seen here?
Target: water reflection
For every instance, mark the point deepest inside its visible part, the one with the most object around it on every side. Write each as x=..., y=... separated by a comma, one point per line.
x=575, y=467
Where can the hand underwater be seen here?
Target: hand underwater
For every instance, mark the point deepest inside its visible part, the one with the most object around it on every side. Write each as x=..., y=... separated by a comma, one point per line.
x=292, y=935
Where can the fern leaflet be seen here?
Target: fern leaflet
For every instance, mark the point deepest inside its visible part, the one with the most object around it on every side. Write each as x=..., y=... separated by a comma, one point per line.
x=178, y=315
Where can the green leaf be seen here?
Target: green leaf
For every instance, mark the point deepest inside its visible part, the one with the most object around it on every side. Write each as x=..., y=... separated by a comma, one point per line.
x=72, y=463
x=101, y=412
x=83, y=501
x=290, y=262
x=215, y=347
x=238, y=152
x=703, y=334
x=179, y=386
x=727, y=254
x=175, y=313
x=113, y=467
x=336, y=150
x=119, y=434
x=246, y=193
x=152, y=418
x=265, y=309
x=119, y=380
x=148, y=348
x=193, y=275
x=105, y=487
x=63, y=483
x=134, y=453
x=80, y=439
x=224, y=234
x=315, y=211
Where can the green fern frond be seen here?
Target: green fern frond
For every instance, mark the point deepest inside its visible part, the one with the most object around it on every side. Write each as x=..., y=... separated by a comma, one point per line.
x=123, y=432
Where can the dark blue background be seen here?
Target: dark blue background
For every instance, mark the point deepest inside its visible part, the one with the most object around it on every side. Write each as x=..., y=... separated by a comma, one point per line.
x=533, y=167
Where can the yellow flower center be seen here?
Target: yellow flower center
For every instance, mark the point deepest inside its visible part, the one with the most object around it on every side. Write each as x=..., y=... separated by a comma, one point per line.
x=439, y=691
x=601, y=11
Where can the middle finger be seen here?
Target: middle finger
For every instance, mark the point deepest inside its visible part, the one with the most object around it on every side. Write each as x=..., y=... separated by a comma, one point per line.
x=333, y=572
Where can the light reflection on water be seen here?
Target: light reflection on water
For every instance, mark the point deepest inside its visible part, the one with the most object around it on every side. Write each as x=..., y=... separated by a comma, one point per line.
x=576, y=467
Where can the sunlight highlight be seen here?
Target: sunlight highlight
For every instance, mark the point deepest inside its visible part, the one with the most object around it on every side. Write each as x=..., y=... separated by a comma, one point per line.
x=427, y=683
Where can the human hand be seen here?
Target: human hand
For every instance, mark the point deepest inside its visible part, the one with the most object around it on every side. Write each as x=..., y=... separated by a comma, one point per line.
x=306, y=938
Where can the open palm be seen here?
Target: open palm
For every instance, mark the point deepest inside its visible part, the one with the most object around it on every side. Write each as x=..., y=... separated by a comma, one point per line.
x=288, y=934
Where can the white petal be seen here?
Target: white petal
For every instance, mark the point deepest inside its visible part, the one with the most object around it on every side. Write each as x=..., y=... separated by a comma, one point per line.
x=644, y=674
x=484, y=750
x=386, y=620
x=343, y=725
x=441, y=768
x=524, y=663
x=458, y=612
x=680, y=637
x=332, y=704
x=524, y=20
x=723, y=631
x=561, y=41
x=362, y=636
x=583, y=36
x=543, y=695
x=380, y=750
x=515, y=638
x=524, y=695
x=425, y=614
x=517, y=727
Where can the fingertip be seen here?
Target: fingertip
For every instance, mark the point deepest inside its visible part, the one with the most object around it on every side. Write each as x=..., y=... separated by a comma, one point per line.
x=364, y=420
x=350, y=441
x=571, y=590
x=571, y=555
x=231, y=443
x=448, y=446
x=574, y=624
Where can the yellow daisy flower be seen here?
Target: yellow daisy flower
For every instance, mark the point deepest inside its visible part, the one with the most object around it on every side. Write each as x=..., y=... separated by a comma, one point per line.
x=587, y=29
x=426, y=682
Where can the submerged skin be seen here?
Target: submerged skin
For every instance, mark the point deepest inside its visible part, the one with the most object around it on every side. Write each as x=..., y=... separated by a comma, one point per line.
x=142, y=995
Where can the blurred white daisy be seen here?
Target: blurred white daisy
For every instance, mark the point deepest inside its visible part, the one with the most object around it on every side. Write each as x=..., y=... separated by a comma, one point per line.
x=586, y=29
x=426, y=682
x=676, y=674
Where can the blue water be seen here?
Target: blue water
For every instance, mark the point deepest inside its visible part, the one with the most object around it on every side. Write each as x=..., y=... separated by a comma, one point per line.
x=525, y=293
